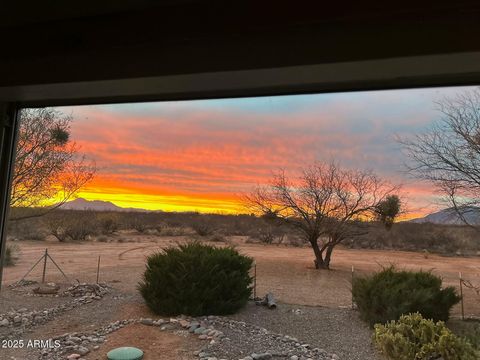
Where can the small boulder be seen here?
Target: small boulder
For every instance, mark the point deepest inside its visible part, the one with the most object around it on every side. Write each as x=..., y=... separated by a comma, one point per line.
x=47, y=289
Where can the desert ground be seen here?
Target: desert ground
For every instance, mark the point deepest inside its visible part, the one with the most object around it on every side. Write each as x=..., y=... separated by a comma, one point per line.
x=287, y=272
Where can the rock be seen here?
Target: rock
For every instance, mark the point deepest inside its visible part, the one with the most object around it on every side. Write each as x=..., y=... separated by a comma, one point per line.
x=46, y=289
x=193, y=326
x=4, y=322
x=199, y=330
x=74, y=356
x=184, y=323
x=75, y=339
x=294, y=357
x=263, y=356
x=146, y=321
x=82, y=350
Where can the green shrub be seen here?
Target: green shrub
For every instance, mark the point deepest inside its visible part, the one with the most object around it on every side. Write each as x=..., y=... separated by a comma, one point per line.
x=388, y=294
x=414, y=338
x=196, y=279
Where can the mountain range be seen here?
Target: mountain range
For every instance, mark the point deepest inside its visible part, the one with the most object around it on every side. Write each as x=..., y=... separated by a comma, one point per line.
x=96, y=205
x=445, y=216
x=451, y=217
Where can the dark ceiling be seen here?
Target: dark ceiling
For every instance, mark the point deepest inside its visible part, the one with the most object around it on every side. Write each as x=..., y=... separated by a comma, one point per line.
x=57, y=41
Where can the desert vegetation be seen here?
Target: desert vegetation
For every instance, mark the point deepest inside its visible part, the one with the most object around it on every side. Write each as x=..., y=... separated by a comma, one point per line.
x=388, y=294
x=408, y=311
x=414, y=337
x=447, y=155
x=11, y=254
x=196, y=279
x=327, y=204
x=48, y=164
x=73, y=225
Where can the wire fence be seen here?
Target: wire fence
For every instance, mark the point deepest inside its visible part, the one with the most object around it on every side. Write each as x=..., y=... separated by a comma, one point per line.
x=470, y=297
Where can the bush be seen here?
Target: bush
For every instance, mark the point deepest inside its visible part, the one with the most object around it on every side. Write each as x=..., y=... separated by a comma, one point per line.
x=173, y=231
x=76, y=225
x=29, y=229
x=196, y=279
x=414, y=338
x=103, y=238
x=203, y=228
x=107, y=223
x=81, y=225
x=218, y=238
x=388, y=294
x=11, y=254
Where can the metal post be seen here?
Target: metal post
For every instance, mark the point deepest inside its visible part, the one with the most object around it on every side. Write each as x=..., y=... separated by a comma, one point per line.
x=461, y=294
x=254, y=280
x=353, y=273
x=8, y=135
x=45, y=257
x=98, y=268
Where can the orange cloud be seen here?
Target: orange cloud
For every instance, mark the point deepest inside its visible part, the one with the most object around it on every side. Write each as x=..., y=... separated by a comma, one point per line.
x=199, y=155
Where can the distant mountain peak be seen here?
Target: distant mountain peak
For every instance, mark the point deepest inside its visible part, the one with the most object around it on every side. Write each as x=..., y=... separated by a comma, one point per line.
x=95, y=205
x=450, y=216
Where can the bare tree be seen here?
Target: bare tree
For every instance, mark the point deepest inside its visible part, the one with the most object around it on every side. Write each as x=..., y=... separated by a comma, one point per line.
x=48, y=166
x=327, y=204
x=448, y=154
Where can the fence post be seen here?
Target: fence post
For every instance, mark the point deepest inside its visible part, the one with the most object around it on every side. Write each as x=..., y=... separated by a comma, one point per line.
x=44, y=265
x=254, y=280
x=353, y=271
x=461, y=294
x=98, y=268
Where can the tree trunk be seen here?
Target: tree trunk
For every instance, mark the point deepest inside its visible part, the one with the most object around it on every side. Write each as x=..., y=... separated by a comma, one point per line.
x=328, y=256
x=319, y=259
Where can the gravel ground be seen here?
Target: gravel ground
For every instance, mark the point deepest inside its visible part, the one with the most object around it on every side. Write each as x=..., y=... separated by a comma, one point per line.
x=250, y=342
x=338, y=331
x=288, y=331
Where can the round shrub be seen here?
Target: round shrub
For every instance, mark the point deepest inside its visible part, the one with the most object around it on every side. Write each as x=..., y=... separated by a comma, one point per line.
x=196, y=279
x=388, y=294
x=414, y=338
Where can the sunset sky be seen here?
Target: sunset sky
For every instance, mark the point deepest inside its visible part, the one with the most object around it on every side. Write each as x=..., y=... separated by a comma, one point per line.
x=200, y=155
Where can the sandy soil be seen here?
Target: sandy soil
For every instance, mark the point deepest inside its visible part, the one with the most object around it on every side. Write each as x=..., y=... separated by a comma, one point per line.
x=287, y=272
